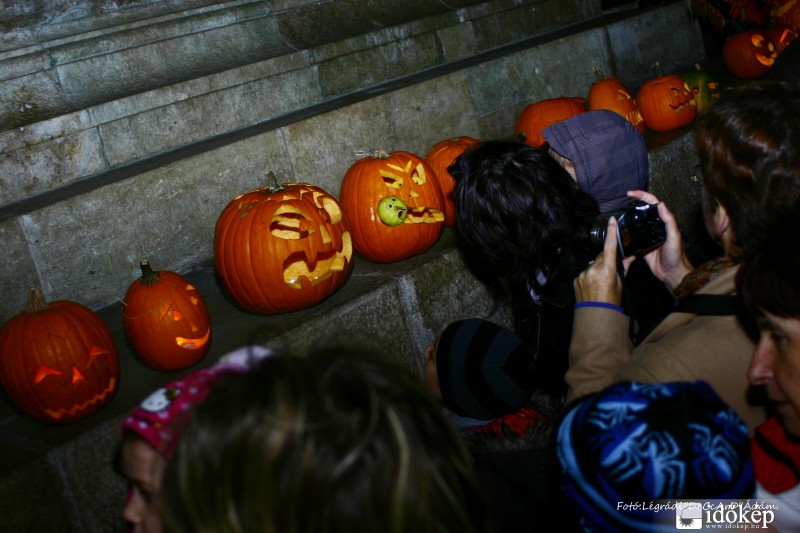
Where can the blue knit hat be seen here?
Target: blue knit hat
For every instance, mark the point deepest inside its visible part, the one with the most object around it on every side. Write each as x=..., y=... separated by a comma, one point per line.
x=608, y=152
x=485, y=371
x=635, y=442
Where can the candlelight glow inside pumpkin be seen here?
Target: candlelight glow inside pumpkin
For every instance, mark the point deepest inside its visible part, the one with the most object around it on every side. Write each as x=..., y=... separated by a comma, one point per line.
x=58, y=360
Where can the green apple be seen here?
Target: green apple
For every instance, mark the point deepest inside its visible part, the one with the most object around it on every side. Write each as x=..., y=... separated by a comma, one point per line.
x=392, y=211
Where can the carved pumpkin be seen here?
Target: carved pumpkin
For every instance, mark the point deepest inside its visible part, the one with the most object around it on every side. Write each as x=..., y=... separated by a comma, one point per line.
x=611, y=94
x=537, y=116
x=781, y=36
x=394, y=203
x=282, y=248
x=748, y=54
x=666, y=102
x=166, y=320
x=58, y=361
x=439, y=157
x=704, y=87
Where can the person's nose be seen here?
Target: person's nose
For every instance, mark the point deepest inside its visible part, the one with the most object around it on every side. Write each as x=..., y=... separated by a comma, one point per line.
x=760, y=370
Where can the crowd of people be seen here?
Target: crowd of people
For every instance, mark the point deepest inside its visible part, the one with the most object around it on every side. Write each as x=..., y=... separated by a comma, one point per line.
x=592, y=402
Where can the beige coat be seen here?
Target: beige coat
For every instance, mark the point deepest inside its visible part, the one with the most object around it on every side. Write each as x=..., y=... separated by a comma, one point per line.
x=683, y=347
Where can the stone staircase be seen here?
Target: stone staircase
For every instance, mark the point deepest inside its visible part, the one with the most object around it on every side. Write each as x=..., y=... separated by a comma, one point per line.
x=124, y=132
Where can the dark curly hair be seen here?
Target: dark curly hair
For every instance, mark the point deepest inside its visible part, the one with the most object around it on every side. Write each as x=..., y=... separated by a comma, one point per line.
x=517, y=208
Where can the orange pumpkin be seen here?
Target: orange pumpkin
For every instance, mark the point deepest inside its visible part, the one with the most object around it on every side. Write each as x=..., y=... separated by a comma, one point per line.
x=611, y=94
x=58, y=361
x=166, y=320
x=282, y=248
x=666, y=101
x=781, y=36
x=537, y=116
x=439, y=157
x=394, y=203
x=749, y=54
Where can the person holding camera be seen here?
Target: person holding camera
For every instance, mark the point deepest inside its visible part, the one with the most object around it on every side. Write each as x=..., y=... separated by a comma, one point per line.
x=749, y=150
x=525, y=216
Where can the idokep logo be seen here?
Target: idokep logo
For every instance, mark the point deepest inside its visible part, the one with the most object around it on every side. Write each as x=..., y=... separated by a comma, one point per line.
x=746, y=514
x=688, y=515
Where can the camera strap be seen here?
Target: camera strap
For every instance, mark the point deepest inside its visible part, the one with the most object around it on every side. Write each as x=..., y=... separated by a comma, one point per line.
x=708, y=304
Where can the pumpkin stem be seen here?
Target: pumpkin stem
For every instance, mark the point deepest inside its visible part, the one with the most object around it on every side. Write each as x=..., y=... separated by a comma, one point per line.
x=149, y=276
x=36, y=301
x=375, y=153
x=598, y=74
x=697, y=66
x=273, y=185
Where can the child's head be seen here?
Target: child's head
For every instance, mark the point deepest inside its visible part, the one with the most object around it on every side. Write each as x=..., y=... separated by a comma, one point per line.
x=151, y=432
x=605, y=154
x=336, y=440
x=634, y=442
x=479, y=369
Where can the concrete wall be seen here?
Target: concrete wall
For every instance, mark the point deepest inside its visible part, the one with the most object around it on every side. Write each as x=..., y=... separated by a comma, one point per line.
x=133, y=143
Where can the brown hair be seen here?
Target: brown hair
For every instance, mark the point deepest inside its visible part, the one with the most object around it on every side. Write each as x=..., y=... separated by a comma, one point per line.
x=749, y=149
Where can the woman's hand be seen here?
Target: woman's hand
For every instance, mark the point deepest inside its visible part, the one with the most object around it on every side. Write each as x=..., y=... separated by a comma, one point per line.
x=667, y=262
x=600, y=282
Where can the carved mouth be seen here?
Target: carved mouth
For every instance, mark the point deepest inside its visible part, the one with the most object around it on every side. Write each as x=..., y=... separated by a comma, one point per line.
x=58, y=414
x=424, y=215
x=325, y=264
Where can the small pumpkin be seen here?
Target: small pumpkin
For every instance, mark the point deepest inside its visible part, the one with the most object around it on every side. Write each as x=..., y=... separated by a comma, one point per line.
x=704, y=87
x=439, y=157
x=781, y=36
x=58, y=360
x=537, y=116
x=610, y=93
x=666, y=102
x=748, y=54
x=394, y=203
x=282, y=247
x=166, y=319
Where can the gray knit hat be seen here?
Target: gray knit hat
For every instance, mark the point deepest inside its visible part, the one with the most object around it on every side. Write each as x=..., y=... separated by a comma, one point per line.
x=485, y=371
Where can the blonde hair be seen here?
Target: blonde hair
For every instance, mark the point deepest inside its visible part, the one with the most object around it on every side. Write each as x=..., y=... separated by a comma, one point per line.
x=338, y=441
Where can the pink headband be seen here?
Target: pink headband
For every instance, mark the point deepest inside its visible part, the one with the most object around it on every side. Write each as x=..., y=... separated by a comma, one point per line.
x=161, y=417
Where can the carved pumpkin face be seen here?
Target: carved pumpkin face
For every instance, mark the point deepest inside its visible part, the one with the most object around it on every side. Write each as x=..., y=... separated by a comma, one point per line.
x=749, y=54
x=537, y=116
x=704, y=87
x=781, y=36
x=166, y=320
x=364, y=197
x=281, y=249
x=439, y=157
x=666, y=103
x=58, y=361
x=611, y=94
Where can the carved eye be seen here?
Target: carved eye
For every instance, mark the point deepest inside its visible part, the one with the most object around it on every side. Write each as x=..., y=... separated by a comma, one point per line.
x=43, y=372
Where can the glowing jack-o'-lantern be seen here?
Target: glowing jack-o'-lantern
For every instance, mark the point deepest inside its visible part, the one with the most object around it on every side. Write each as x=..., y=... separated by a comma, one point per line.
x=439, y=157
x=166, y=320
x=749, y=54
x=704, y=87
x=781, y=36
x=537, y=116
x=405, y=176
x=611, y=94
x=282, y=248
x=58, y=361
x=666, y=102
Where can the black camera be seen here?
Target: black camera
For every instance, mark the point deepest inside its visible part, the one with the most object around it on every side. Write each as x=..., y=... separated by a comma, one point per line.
x=639, y=229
